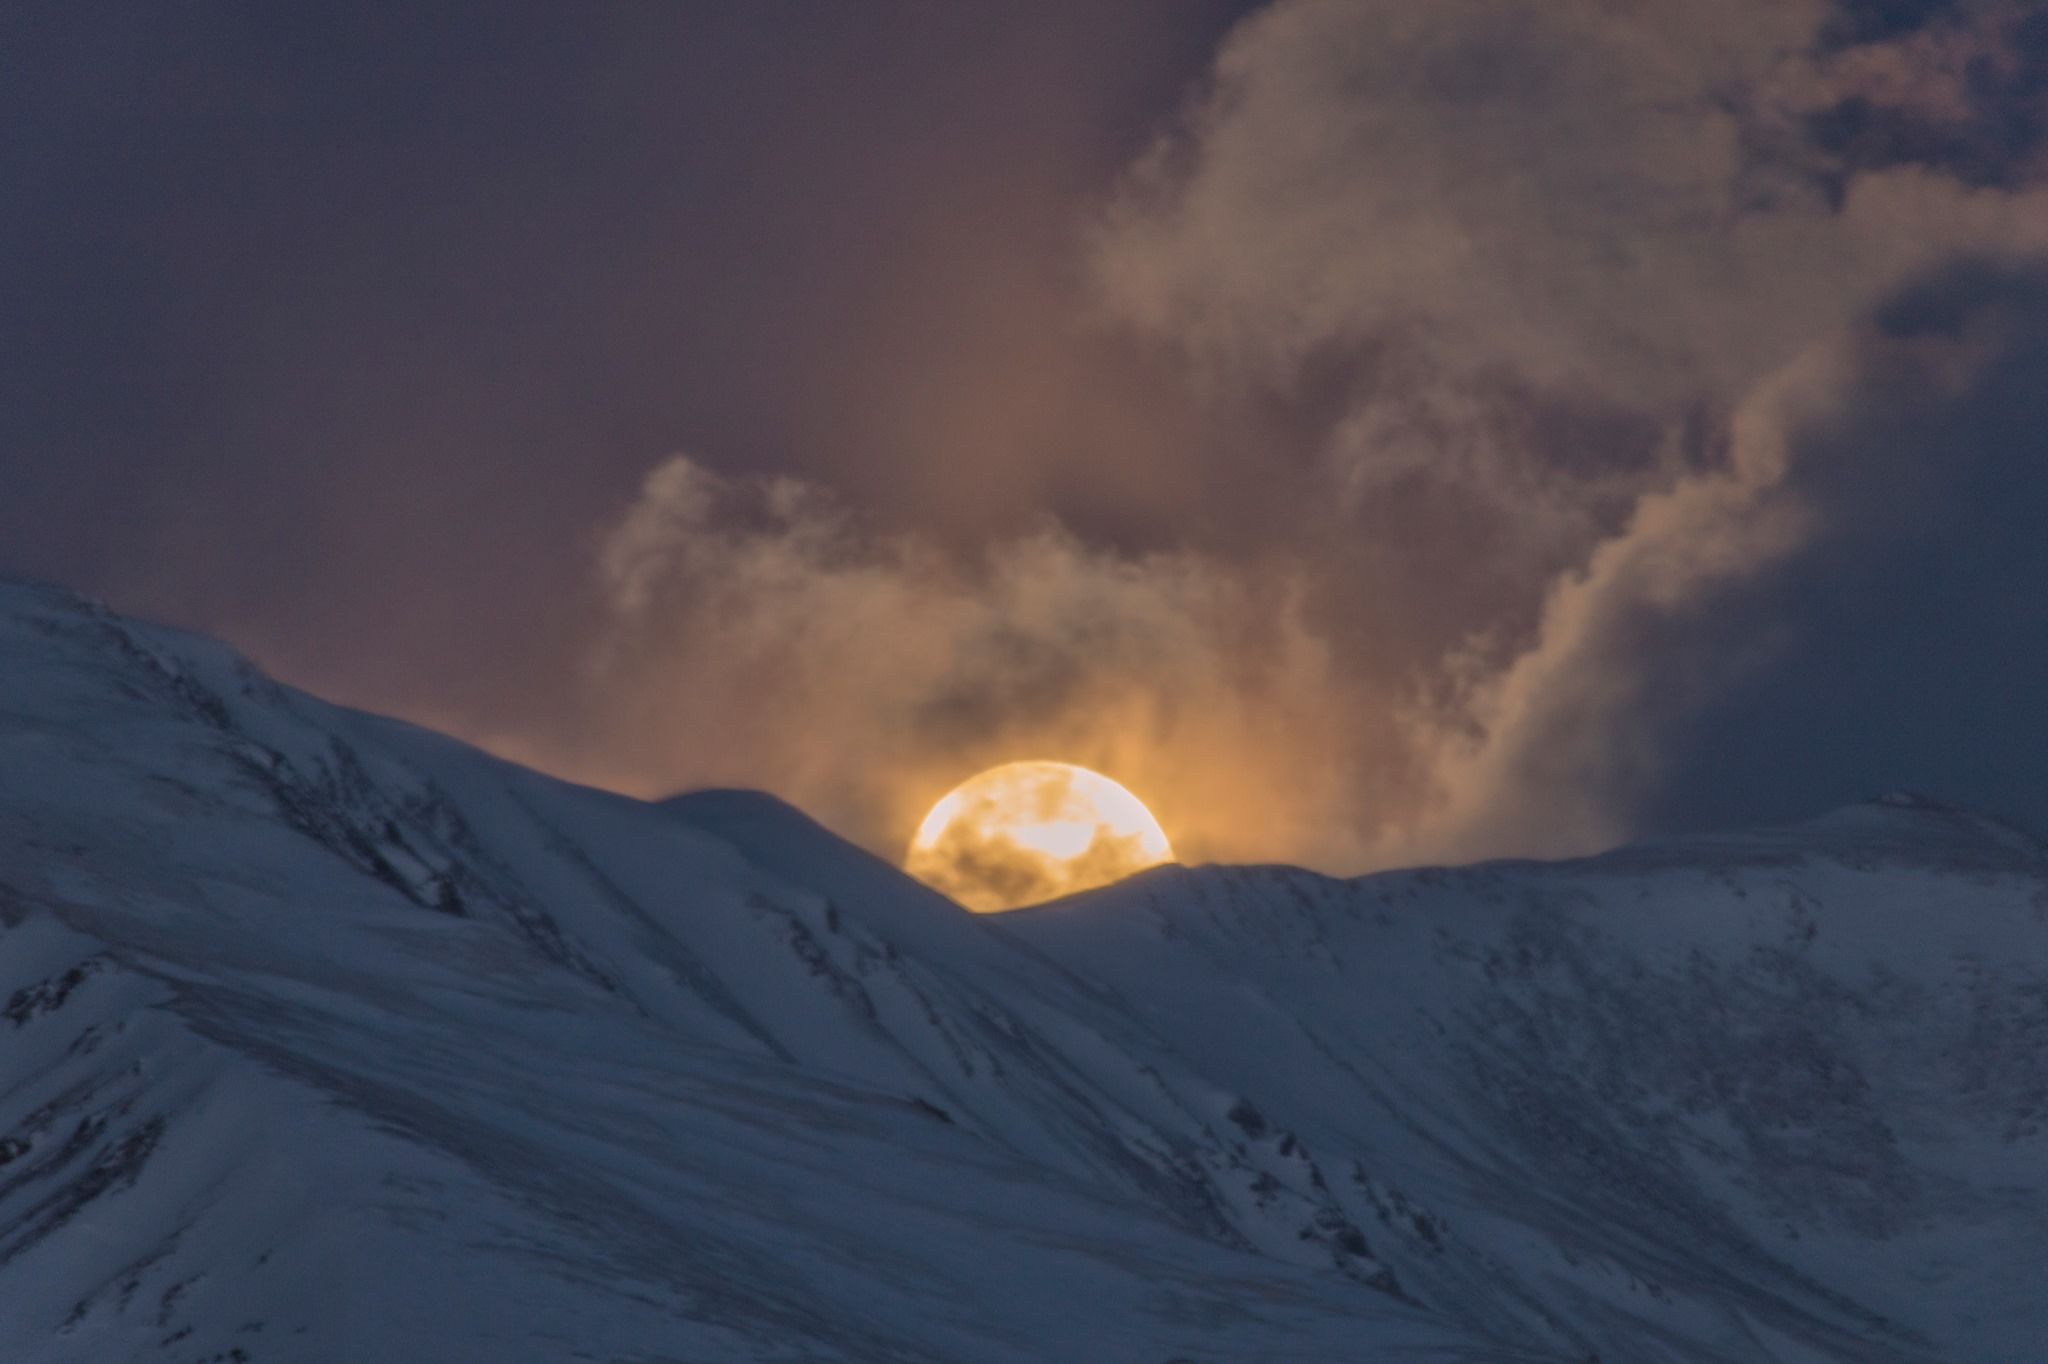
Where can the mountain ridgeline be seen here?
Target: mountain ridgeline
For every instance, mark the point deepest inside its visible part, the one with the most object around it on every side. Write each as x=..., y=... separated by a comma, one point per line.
x=324, y=1037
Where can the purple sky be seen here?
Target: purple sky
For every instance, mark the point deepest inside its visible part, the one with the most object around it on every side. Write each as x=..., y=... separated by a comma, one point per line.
x=1384, y=432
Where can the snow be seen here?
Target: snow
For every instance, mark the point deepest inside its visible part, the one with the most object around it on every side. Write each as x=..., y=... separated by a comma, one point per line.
x=326, y=1037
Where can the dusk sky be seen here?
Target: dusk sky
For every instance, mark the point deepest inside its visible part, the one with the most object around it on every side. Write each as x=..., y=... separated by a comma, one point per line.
x=1373, y=431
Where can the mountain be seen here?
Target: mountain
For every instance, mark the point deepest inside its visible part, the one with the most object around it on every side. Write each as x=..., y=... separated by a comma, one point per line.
x=324, y=1037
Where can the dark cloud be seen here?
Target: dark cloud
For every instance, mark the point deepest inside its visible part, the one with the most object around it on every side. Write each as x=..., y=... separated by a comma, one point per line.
x=1908, y=638
x=1856, y=22
x=1963, y=91
x=1634, y=220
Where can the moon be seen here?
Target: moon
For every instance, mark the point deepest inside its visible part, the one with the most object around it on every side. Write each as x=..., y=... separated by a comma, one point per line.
x=1031, y=831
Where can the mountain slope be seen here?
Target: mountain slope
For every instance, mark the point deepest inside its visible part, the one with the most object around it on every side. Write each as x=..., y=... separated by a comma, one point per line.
x=1770, y=1093
x=328, y=1038
x=322, y=1036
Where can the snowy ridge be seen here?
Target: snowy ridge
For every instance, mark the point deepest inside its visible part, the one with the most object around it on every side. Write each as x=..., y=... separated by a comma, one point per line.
x=323, y=1036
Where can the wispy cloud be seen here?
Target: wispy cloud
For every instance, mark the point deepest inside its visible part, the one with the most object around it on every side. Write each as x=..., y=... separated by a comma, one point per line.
x=764, y=634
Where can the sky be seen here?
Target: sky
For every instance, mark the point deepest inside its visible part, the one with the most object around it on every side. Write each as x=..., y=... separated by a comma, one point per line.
x=1373, y=432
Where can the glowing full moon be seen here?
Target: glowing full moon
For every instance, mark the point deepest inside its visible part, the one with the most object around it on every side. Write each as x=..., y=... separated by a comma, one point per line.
x=1031, y=831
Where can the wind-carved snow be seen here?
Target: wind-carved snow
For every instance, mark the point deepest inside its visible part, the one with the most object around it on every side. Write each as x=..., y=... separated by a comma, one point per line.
x=322, y=1036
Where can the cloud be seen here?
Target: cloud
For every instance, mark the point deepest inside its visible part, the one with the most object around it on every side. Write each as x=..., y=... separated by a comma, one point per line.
x=1564, y=747
x=1910, y=628
x=1573, y=315
x=1622, y=200
x=763, y=634
x=1479, y=214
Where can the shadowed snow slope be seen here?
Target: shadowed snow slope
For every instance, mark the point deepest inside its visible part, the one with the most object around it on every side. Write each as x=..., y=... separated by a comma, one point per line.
x=325, y=1037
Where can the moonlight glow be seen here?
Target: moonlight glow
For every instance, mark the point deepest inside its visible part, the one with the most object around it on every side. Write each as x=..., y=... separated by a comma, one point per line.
x=1031, y=831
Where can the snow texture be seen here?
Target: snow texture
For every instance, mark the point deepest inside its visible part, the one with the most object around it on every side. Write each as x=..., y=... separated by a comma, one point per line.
x=323, y=1037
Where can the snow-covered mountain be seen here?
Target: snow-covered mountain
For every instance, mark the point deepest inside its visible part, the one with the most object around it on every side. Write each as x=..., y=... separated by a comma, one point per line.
x=323, y=1037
